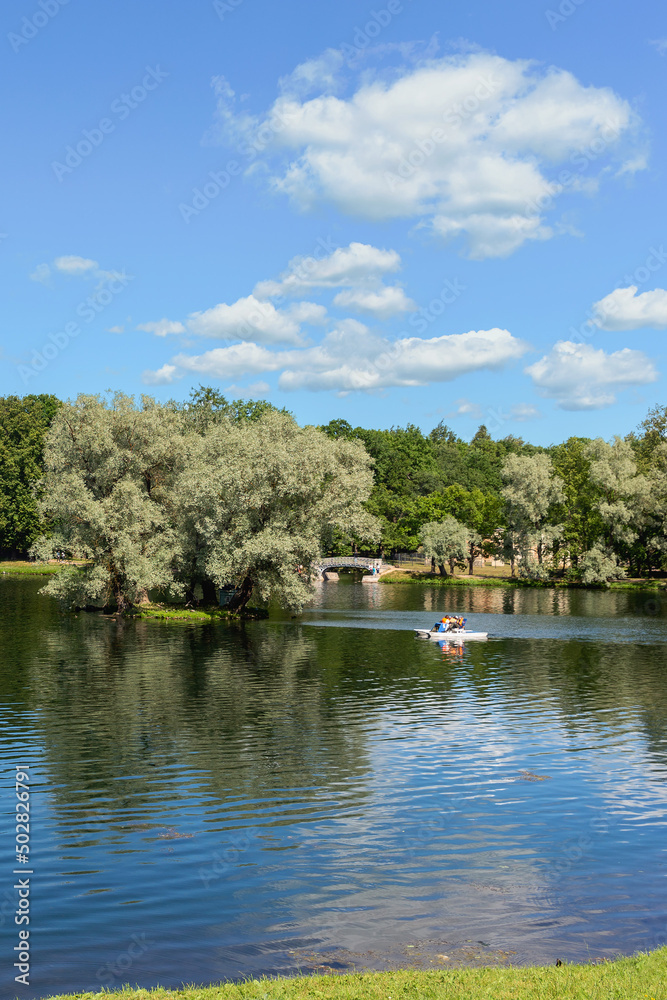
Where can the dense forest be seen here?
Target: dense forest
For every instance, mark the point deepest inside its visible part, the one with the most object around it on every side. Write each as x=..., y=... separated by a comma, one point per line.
x=583, y=510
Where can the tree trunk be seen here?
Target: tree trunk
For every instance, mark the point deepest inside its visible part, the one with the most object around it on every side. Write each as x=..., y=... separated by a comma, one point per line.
x=209, y=592
x=443, y=571
x=471, y=561
x=432, y=564
x=142, y=597
x=452, y=564
x=242, y=595
x=190, y=597
x=118, y=589
x=122, y=602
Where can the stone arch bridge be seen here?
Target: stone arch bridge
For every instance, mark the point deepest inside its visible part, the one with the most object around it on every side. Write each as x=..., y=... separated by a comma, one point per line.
x=327, y=567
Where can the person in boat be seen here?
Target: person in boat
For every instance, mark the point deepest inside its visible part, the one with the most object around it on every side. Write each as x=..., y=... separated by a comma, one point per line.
x=455, y=624
x=441, y=626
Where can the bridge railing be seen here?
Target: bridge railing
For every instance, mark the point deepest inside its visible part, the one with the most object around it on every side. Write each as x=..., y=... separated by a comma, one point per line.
x=360, y=562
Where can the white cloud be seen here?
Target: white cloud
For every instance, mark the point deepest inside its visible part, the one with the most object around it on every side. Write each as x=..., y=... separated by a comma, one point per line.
x=250, y=318
x=468, y=144
x=660, y=44
x=230, y=362
x=75, y=265
x=320, y=73
x=583, y=378
x=633, y=164
x=524, y=411
x=163, y=376
x=351, y=358
x=623, y=309
x=382, y=302
x=464, y=408
x=352, y=266
x=42, y=273
x=307, y=312
x=254, y=389
x=116, y=329
x=162, y=327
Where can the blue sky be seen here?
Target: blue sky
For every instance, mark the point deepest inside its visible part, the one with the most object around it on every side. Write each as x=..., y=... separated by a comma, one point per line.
x=401, y=212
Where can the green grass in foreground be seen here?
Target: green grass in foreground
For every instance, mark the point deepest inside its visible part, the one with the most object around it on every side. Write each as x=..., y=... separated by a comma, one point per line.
x=641, y=977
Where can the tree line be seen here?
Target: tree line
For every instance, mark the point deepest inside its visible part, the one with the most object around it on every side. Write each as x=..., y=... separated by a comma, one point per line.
x=188, y=497
x=584, y=510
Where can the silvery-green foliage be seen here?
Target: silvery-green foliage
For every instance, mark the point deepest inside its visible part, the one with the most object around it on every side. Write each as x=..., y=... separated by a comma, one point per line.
x=655, y=508
x=531, y=487
x=625, y=492
x=109, y=466
x=154, y=504
x=446, y=540
x=260, y=495
x=80, y=587
x=599, y=565
x=531, y=491
x=530, y=566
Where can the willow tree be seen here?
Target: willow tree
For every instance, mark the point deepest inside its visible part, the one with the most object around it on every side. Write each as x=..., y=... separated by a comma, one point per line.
x=654, y=522
x=109, y=466
x=624, y=494
x=531, y=490
x=261, y=496
x=445, y=541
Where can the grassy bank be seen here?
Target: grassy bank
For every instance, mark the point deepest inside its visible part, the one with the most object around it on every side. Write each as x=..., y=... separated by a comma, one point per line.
x=16, y=567
x=177, y=613
x=435, y=580
x=641, y=977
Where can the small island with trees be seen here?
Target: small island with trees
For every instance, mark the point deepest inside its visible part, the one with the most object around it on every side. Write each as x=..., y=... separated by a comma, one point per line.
x=183, y=500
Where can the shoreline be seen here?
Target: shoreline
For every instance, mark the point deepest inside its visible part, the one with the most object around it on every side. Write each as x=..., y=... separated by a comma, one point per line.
x=400, y=577
x=396, y=577
x=634, y=976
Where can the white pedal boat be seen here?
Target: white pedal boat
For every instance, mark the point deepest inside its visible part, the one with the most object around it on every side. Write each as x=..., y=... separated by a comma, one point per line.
x=456, y=634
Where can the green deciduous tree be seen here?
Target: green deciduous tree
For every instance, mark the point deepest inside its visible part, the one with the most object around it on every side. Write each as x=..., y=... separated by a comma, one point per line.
x=480, y=512
x=23, y=426
x=654, y=429
x=206, y=406
x=578, y=511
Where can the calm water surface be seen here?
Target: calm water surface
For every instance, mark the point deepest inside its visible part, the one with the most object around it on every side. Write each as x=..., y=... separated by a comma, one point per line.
x=214, y=802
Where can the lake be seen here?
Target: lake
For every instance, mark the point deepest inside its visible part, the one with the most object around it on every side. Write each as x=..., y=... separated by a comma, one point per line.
x=327, y=791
